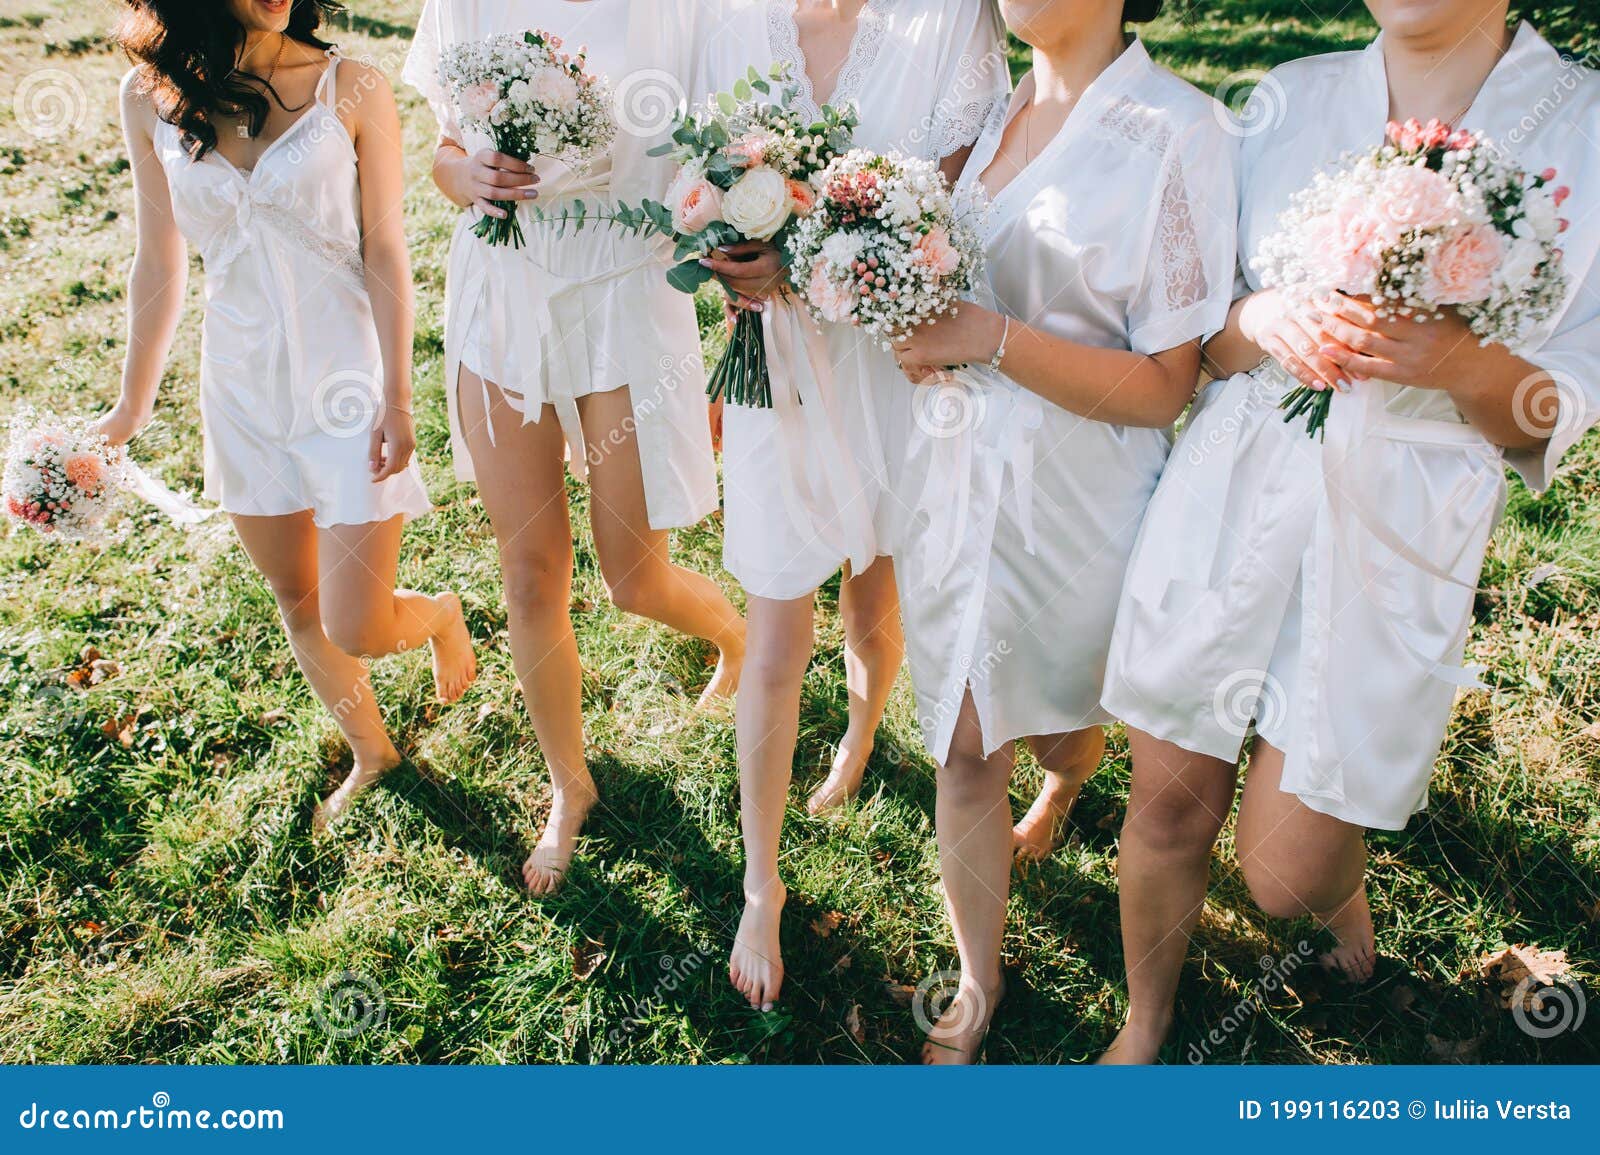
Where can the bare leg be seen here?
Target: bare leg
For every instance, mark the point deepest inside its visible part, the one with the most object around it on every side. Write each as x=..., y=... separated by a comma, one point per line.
x=1176, y=807
x=1069, y=760
x=366, y=617
x=522, y=479
x=874, y=647
x=284, y=549
x=973, y=816
x=640, y=577
x=767, y=722
x=1298, y=861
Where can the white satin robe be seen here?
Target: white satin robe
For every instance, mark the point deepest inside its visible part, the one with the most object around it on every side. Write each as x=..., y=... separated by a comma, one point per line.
x=588, y=312
x=1323, y=590
x=806, y=484
x=1120, y=234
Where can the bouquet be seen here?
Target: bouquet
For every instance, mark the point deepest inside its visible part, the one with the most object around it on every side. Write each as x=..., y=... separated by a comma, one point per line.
x=60, y=477
x=746, y=165
x=1432, y=219
x=886, y=246
x=531, y=99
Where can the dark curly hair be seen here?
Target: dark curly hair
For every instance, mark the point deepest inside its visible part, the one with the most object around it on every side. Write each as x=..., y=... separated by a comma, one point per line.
x=188, y=49
x=1140, y=11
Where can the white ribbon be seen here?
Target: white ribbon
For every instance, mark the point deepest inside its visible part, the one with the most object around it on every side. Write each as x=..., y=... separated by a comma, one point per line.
x=176, y=506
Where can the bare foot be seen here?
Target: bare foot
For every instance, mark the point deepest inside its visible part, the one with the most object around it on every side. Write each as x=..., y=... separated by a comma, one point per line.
x=1036, y=837
x=756, y=965
x=1137, y=1044
x=957, y=1038
x=545, y=868
x=1356, y=954
x=724, y=682
x=363, y=776
x=844, y=778
x=455, y=665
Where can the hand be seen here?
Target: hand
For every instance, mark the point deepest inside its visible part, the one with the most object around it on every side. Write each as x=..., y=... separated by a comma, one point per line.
x=1426, y=354
x=122, y=424
x=751, y=270
x=966, y=334
x=1295, y=338
x=393, y=441
x=488, y=176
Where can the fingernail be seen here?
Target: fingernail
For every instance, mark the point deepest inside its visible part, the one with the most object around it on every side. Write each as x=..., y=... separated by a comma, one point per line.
x=1342, y=385
x=705, y=263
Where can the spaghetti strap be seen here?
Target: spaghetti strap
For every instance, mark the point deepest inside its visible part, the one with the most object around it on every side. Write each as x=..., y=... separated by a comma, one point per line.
x=326, y=89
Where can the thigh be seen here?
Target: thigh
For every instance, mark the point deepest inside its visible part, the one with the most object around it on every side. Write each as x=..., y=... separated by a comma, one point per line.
x=356, y=568
x=779, y=635
x=1294, y=844
x=521, y=474
x=868, y=599
x=617, y=510
x=284, y=550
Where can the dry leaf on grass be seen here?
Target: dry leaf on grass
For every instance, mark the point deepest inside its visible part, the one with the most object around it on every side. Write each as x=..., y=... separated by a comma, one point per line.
x=826, y=924
x=587, y=956
x=1524, y=968
x=1455, y=1050
x=852, y=1023
x=901, y=993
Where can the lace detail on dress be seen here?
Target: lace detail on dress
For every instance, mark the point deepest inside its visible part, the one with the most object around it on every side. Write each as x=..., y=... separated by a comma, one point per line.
x=954, y=128
x=783, y=41
x=1178, y=260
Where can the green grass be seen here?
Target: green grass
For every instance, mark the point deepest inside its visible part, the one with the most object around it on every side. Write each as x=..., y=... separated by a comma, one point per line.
x=161, y=897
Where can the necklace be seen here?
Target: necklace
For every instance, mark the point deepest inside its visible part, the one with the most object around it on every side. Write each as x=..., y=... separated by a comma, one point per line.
x=283, y=41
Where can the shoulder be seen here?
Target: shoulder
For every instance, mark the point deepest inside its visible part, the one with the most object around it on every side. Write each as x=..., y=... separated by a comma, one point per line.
x=356, y=76
x=967, y=14
x=1164, y=111
x=1311, y=74
x=134, y=98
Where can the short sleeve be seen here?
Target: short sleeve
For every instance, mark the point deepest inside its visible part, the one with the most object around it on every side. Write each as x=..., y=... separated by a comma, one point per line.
x=421, y=67
x=1188, y=284
x=974, y=80
x=1572, y=359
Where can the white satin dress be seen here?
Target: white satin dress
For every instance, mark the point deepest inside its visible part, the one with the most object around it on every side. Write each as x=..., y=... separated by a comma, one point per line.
x=1118, y=235
x=1323, y=590
x=807, y=484
x=588, y=312
x=291, y=372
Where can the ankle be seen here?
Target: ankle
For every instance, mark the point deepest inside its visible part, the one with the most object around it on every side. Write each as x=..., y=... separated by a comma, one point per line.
x=1156, y=1022
x=768, y=891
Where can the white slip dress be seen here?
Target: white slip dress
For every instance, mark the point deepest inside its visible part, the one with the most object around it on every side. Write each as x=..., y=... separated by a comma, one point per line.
x=1119, y=234
x=291, y=372
x=807, y=484
x=1322, y=590
x=587, y=312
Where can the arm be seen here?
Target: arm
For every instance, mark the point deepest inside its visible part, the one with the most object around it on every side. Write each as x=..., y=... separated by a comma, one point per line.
x=159, y=276
x=1112, y=385
x=1264, y=324
x=1510, y=401
x=387, y=263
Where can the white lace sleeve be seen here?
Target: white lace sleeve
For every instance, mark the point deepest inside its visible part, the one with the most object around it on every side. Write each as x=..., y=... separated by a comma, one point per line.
x=421, y=67
x=1189, y=272
x=975, y=80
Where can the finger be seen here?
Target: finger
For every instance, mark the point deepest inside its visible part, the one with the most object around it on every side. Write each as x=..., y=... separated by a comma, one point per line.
x=506, y=180
x=749, y=304
x=1308, y=346
x=375, y=451
x=489, y=209
x=1352, y=309
x=1361, y=364
x=1357, y=339
x=726, y=268
x=742, y=247
x=1293, y=366
x=506, y=162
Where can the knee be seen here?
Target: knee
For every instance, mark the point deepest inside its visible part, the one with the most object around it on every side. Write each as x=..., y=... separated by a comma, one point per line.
x=1173, y=823
x=1284, y=890
x=536, y=586
x=637, y=590
x=359, y=635
x=1275, y=895
x=299, y=609
x=968, y=780
x=770, y=672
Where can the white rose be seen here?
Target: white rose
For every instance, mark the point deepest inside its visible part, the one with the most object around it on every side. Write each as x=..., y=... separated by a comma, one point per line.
x=1540, y=209
x=1523, y=256
x=553, y=88
x=758, y=206
x=842, y=248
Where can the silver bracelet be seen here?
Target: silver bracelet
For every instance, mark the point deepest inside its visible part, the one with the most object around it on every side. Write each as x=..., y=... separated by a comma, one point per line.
x=999, y=354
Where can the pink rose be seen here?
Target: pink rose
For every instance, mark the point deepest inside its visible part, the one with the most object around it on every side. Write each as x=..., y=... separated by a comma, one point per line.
x=698, y=205
x=478, y=101
x=1461, y=270
x=1348, y=242
x=1413, y=196
x=748, y=151
x=934, y=250
x=85, y=470
x=828, y=297
x=801, y=199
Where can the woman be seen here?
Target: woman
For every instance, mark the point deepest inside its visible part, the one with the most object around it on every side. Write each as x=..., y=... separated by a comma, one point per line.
x=281, y=163
x=1263, y=586
x=1109, y=246
x=576, y=347
x=805, y=482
